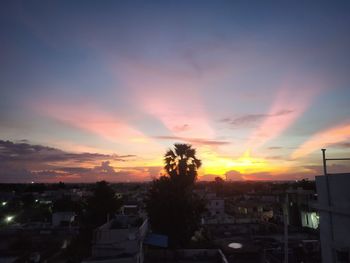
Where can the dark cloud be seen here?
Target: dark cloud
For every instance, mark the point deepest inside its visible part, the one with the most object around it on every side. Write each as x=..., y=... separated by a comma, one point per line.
x=234, y=175
x=105, y=168
x=342, y=145
x=44, y=174
x=194, y=141
x=11, y=174
x=250, y=119
x=246, y=119
x=276, y=157
x=208, y=177
x=24, y=162
x=73, y=170
x=275, y=148
x=104, y=171
x=25, y=152
x=331, y=168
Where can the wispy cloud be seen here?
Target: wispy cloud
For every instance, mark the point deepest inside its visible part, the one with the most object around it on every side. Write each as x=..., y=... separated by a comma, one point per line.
x=275, y=148
x=345, y=145
x=323, y=139
x=181, y=128
x=173, y=94
x=275, y=157
x=249, y=119
x=290, y=103
x=331, y=168
x=93, y=119
x=194, y=141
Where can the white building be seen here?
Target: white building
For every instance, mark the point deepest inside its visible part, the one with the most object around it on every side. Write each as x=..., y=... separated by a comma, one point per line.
x=120, y=240
x=215, y=205
x=334, y=211
x=63, y=218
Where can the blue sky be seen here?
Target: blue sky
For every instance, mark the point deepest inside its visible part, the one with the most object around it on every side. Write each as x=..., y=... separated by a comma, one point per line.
x=258, y=88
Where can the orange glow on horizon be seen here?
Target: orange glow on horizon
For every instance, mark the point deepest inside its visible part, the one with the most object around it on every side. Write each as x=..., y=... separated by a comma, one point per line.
x=246, y=164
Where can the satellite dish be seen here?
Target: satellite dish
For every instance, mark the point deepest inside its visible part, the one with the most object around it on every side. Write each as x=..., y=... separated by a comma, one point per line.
x=235, y=245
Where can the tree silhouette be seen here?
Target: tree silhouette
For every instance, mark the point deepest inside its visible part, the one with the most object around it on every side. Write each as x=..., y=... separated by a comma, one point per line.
x=102, y=203
x=181, y=164
x=219, y=186
x=173, y=209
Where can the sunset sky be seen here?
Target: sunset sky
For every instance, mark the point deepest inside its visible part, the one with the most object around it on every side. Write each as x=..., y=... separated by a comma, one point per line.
x=94, y=90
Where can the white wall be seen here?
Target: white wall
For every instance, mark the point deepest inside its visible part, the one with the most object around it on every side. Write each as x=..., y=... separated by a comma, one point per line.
x=216, y=206
x=334, y=220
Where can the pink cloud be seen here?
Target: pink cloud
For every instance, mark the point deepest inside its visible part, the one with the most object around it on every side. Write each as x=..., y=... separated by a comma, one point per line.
x=323, y=139
x=172, y=95
x=92, y=119
x=289, y=104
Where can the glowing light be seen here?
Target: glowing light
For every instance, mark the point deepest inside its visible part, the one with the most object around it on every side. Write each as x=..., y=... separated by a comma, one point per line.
x=4, y=203
x=9, y=219
x=215, y=164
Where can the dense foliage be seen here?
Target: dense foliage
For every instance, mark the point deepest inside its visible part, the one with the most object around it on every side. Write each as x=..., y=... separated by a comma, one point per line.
x=173, y=209
x=102, y=204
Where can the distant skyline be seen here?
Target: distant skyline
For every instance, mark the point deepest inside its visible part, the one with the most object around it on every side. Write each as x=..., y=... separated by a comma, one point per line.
x=94, y=90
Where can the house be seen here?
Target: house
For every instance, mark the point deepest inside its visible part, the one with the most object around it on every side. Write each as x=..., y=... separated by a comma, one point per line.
x=120, y=240
x=63, y=218
x=216, y=206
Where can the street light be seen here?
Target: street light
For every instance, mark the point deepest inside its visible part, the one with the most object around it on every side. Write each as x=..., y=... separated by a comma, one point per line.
x=9, y=219
x=3, y=203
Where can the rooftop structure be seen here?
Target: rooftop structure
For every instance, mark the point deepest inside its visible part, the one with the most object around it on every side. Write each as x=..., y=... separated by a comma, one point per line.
x=120, y=238
x=334, y=210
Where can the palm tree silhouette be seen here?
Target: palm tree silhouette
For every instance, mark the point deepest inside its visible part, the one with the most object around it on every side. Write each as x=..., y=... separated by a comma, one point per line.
x=181, y=163
x=172, y=206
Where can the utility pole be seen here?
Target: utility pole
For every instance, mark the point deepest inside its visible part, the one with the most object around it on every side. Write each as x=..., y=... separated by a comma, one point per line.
x=329, y=200
x=324, y=161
